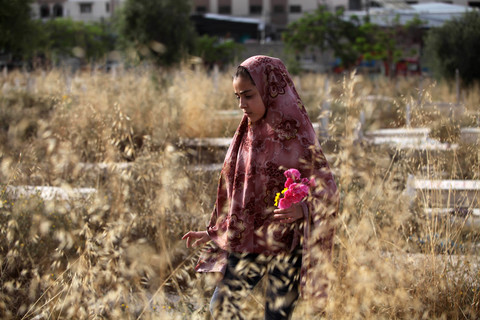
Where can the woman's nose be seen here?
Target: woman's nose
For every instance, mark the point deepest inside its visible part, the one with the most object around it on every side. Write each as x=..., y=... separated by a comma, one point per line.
x=242, y=104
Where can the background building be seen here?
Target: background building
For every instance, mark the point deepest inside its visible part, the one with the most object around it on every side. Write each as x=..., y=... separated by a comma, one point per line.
x=258, y=24
x=79, y=10
x=281, y=12
x=275, y=14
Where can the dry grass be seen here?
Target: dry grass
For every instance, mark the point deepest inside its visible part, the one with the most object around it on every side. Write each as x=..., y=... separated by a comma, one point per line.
x=117, y=254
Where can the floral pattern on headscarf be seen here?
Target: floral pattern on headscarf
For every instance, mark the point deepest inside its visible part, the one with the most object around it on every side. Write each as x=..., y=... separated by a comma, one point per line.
x=276, y=80
x=287, y=129
x=252, y=174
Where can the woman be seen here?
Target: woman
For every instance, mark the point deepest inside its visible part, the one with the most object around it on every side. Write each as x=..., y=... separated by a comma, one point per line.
x=250, y=236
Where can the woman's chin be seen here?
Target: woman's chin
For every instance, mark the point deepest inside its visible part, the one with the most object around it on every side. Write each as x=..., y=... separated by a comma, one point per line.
x=253, y=119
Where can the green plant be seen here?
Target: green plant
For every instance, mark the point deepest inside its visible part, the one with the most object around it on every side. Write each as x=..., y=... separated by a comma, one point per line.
x=453, y=46
x=158, y=29
x=62, y=38
x=213, y=51
x=17, y=29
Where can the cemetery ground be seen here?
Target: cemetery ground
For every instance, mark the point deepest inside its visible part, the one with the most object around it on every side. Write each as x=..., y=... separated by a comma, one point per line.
x=102, y=173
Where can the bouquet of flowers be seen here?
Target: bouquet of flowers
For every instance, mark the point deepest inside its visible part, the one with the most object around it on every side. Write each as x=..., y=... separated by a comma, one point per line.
x=296, y=189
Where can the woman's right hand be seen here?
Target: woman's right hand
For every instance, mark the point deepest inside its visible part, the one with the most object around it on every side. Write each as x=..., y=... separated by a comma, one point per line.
x=200, y=237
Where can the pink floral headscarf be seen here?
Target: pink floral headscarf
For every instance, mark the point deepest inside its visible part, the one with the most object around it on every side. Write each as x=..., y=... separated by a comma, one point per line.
x=252, y=174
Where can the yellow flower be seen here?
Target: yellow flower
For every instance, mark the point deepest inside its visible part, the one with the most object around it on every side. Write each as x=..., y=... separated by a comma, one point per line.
x=277, y=197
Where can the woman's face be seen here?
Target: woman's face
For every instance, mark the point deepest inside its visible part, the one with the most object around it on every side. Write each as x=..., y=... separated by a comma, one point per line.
x=249, y=99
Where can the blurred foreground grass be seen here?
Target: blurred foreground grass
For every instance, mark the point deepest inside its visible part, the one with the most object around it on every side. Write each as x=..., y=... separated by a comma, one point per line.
x=116, y=253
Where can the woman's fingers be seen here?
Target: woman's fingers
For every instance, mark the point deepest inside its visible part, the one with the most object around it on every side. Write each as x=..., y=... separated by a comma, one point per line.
x=198, y=242
x=200, y=237
x=282, y=216
x=285, y=218
x=289, y=215
x=188, y=236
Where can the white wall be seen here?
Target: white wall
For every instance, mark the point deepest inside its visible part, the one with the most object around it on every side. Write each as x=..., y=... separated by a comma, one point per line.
x=307, y=6
x=333, y=4
x=71, y=9
x=214, y=6
x=240, y=8
x=98, y=10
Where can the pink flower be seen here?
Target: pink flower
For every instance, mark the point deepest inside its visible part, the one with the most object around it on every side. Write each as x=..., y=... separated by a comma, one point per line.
x=302, y=189
x=284, y=203
x=296, y=192
x=295, y=189
x=292, y=174
x=289, y=182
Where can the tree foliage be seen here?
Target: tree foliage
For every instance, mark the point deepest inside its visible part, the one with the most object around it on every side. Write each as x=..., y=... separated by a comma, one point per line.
x=17, y=30
x=158, y=28
x=349, y=39
x=23, y=37
x=213, y=51
x=325, y=30
x=456, y=45
x=65, y=37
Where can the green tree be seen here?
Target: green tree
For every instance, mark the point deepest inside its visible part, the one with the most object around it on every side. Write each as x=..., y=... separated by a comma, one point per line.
x=17, y=30
x=158, y=28
x=388, y=43
x=350, y=39
x=325, y=30
x=213, y=51
x=456, y=45
x=65, y=37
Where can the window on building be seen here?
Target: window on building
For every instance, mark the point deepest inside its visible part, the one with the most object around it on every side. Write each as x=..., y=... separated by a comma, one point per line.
x=474, y=4
x=44, y=11
x=57, y=10
x=354, y=4
x=107, y=7
x=295, y=9
x=412, y=2
x=278, y=9
x=255, y=9
x=224, y=9
x=375, y=4
x=201, y=9
x=86, y=7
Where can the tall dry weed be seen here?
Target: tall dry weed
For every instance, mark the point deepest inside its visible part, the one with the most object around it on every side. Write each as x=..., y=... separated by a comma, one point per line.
x=117, y=253
x=380, y=272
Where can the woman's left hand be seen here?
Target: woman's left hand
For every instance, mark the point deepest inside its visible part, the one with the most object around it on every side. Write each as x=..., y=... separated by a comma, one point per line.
x=290, y=215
